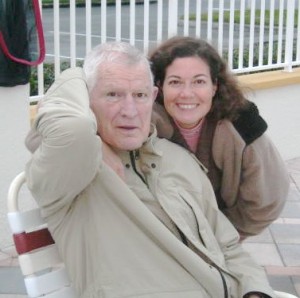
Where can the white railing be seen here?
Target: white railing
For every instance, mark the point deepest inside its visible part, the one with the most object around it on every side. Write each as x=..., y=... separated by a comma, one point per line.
x=248, y=45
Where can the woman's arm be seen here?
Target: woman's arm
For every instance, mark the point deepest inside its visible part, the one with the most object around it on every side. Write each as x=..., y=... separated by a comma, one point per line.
x=254, y=181
x=263, y=189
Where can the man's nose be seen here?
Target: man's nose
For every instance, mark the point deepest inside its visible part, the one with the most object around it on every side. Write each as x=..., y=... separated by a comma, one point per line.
x=129, y=108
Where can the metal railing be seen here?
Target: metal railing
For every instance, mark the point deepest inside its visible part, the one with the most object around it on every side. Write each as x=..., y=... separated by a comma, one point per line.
x=251, y=35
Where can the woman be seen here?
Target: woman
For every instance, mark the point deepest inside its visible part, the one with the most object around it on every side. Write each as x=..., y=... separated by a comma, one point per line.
x=201, y=107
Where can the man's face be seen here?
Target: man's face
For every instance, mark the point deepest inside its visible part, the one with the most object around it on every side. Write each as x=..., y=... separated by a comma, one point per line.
x=122, y=102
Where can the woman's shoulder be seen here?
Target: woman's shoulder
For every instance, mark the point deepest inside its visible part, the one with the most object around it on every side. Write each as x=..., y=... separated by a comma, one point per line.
x=249, y=124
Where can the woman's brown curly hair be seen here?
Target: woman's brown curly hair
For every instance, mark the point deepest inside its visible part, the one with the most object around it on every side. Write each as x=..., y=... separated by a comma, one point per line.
x=228, y=99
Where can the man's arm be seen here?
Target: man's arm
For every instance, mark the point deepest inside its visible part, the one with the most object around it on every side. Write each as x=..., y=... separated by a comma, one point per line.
x=68, y=156
x=113, y=160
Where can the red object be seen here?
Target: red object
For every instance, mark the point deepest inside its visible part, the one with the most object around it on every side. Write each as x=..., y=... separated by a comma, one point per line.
x=41, y=39
x=26, y=242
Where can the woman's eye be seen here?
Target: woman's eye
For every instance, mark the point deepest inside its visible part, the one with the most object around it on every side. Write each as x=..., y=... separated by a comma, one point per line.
x=175, y=83
x=199, y=82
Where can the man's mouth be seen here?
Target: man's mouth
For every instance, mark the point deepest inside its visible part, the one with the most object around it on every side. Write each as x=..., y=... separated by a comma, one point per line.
x=127, y=127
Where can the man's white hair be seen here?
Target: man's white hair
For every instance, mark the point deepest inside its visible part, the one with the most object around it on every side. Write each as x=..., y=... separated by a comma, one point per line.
x=118, y=52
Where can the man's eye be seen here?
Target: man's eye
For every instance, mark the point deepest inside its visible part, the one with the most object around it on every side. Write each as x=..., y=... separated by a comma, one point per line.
x=141, y=96
x=113, y=95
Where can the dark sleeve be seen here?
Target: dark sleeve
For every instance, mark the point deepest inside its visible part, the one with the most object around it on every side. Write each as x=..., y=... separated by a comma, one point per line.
x=250, y=125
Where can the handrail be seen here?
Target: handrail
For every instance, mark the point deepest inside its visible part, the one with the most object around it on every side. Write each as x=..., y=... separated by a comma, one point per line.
x=248, y=46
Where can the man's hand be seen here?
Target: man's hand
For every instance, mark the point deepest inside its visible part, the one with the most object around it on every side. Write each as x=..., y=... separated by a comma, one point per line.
x=113, y=160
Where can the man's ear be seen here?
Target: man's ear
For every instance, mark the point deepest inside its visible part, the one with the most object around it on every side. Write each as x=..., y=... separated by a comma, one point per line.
x=154, y=93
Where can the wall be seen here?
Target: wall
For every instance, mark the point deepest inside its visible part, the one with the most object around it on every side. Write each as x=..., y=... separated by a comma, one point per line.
x=14, y=124
x=280, y=107
x=277, y=95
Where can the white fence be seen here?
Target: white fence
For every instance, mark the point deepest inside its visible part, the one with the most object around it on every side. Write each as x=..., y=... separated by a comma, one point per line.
x=265, y=36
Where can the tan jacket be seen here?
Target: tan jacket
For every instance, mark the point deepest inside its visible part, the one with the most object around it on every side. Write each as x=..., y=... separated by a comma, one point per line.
x=112, y=244
x=250, y=181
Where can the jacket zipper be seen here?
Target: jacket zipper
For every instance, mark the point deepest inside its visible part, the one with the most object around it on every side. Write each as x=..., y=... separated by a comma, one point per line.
x=223, y=281
x=203, y=256
x=208, y=261
x=132, y=160
x=211, y=263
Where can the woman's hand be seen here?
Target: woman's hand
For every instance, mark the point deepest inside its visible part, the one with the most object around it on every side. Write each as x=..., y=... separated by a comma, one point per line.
x=113, y=160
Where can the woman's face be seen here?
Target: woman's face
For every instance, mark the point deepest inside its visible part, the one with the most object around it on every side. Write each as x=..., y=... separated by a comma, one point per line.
x=188, y=90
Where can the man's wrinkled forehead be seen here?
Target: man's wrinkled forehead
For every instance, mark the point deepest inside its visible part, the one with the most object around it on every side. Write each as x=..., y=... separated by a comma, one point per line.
x=113, y=74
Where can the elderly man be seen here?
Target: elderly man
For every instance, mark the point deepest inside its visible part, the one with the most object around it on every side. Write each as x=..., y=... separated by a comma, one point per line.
x=153, y=229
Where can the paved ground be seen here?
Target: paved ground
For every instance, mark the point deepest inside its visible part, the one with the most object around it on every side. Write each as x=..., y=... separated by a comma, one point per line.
x=277, y=249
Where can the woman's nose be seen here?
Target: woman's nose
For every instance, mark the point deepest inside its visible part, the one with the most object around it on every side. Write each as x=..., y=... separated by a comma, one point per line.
x=186, y=90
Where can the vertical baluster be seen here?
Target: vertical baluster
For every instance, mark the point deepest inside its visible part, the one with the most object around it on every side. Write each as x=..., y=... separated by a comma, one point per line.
x=280, y=31
x=220, y=27
x=118, y=20
x=159, y=20
x=132, y=22
x=261, y=32
x=241, y=34
x=40, y=68
x=198, y=18
x=172, y=17
x=72, y=33
x=88, y=25
x=298, y=34
x=271, y=32
x=103, y=21
x=56, y=38
x=210, y=9
x=231, y=35
x=252, y=31
x=289, y=38
x=186, y=18
x=146, y=25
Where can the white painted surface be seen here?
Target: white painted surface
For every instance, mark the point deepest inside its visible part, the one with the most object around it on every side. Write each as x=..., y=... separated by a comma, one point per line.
x=280, y=107
x=14, y=123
